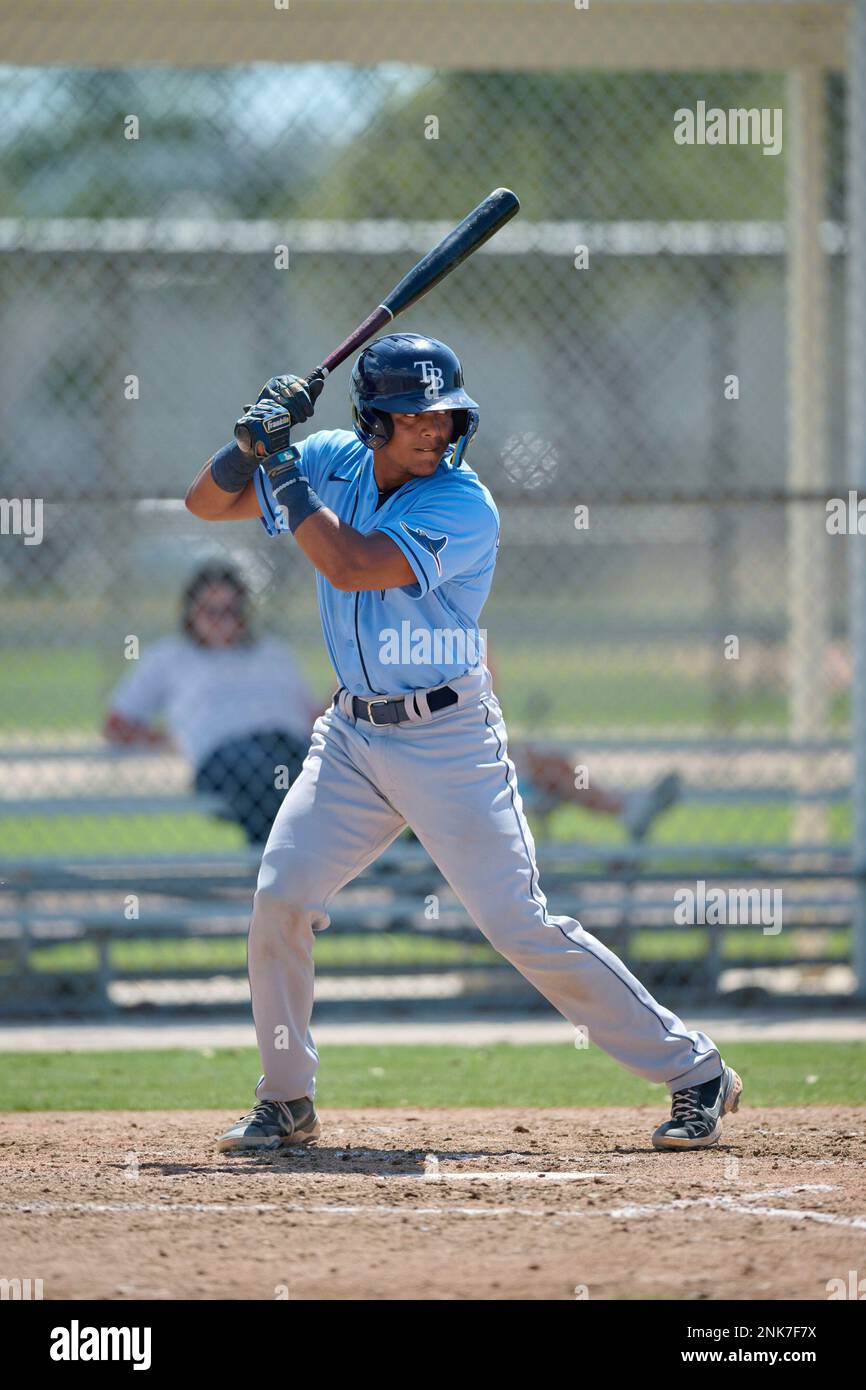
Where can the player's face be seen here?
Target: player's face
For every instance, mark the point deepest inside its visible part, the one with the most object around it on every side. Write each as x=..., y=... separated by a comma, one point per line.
x=218, y=616
x=419, y=441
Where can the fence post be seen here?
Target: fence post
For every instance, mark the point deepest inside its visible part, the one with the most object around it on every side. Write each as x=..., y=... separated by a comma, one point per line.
x=856, y=449
x=808, y=596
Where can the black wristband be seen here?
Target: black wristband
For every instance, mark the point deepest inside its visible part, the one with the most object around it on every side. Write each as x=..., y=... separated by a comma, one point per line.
x=231, y=469
x=298, y=498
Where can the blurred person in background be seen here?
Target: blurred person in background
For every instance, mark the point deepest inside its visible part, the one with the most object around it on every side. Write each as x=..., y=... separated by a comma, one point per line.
x=234, y=704
x=548, y=781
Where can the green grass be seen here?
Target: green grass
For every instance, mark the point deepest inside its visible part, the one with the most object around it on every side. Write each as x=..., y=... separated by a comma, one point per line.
x=197, y=953
x=532, y=1075
x=749, y=823
x=683, y=943
x=58, y=689
x=118, y=836
x=47, y=689
x=546, y=683
x=577, y=685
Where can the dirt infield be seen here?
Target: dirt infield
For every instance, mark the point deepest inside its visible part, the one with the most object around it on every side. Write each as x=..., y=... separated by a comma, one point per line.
x=434, y=1204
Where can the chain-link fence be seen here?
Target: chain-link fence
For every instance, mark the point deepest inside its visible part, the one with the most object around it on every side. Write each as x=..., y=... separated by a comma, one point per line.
x=657, y=344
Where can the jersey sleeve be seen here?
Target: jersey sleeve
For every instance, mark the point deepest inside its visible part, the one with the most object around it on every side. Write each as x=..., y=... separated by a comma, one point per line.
x=315, y=453
x=445, y=537
x=143, y=692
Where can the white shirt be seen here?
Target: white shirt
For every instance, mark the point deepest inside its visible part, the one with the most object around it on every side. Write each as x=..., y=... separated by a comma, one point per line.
x=208, y=695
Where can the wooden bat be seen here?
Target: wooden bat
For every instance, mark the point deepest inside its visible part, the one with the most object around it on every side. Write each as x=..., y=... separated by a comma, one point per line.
x=476, y=228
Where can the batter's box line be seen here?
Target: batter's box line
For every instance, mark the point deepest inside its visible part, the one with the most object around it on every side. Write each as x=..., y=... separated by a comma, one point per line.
x=792, y=1191
x=51, y=1208
x=380, y=1209
x=744, y=1205
x=721, y=1199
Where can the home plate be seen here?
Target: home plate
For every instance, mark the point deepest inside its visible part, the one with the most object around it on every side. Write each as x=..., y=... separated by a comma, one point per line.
x=505, y=1177
x=433, y=1172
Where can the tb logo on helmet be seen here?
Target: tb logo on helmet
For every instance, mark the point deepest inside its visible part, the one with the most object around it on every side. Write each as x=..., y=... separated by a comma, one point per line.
x=389, y=379
x=433, y=378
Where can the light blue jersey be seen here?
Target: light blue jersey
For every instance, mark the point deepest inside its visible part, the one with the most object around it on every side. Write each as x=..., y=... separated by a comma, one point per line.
x=389, y=641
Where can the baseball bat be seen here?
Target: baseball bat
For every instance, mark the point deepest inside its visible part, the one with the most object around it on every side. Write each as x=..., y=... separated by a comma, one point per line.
x=476, y=228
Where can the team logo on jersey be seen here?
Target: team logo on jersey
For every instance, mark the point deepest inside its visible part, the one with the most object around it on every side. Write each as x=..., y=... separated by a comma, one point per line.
x=432, y=544
x=432, y=377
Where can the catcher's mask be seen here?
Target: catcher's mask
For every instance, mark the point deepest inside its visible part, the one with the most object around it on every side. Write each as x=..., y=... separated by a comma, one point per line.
x=407, y=373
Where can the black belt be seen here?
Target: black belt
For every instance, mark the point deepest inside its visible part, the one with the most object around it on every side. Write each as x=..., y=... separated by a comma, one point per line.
x=394, y=711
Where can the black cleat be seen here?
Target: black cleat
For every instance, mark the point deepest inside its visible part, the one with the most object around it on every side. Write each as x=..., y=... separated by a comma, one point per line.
x=271, y=1124
x=696, y=1113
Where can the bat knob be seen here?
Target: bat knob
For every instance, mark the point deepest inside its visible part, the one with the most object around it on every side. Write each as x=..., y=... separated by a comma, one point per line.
x=315, y=382
x=244, y=439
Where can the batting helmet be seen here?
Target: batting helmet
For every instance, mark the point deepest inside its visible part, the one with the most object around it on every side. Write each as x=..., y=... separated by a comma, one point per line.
x=408, y=373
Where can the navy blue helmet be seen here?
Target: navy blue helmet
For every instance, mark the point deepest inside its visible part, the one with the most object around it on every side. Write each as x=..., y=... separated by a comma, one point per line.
x=406, y=373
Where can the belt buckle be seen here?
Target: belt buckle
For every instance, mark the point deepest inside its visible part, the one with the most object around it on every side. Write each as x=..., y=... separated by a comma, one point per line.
x=370, y=704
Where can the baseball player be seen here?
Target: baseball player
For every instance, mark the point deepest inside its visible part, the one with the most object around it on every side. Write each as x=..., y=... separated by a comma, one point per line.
x=403, y=536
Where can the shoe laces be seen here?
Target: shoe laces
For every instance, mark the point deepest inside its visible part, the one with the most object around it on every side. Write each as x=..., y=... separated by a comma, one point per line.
x=685, y=1105
x=263, y=1112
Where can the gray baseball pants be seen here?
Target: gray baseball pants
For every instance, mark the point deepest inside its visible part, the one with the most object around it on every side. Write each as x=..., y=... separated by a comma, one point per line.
x=449, y=777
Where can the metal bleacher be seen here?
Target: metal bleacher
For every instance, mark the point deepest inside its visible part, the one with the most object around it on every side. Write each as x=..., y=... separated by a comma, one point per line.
x=48, y=902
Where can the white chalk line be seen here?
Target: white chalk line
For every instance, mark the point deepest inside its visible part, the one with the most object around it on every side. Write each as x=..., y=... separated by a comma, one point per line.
x=49, y=1208
x=507, y=1175
x=717, y=1199
x=826, y=1217
x=743, y=1205
x=225, y=1208
x=787, y=1191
